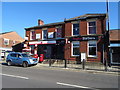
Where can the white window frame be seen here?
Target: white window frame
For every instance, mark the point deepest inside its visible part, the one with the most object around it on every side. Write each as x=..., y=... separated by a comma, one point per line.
x=31, y=35
x=51, y=33
x=72, y=47
x=43, y=35
x=37, y=35
x=7, y=41
x=88, y=26
x=79, y=28
x=91, y=46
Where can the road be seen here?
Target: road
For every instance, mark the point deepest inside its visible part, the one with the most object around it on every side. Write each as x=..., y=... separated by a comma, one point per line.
x=45, y=77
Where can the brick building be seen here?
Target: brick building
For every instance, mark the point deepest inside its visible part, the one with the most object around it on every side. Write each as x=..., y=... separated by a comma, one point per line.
x=115, y=46
x=74, y=39
x=43, y=39
x=8, y=39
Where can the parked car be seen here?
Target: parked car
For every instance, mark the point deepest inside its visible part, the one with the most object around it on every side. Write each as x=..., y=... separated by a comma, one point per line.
x=20, y=59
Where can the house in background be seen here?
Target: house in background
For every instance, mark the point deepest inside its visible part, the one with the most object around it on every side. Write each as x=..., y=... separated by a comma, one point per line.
x=115, y=46
x=7, y=40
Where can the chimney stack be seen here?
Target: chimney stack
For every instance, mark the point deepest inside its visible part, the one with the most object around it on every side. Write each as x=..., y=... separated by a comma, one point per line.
x=40, y=22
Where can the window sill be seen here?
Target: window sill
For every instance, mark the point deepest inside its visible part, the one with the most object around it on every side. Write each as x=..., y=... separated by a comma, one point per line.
x=75, y=56
x=75, y=35
x=92, y=57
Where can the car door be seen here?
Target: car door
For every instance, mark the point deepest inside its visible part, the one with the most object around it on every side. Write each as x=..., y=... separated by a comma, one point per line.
x=13, y=58
x=19, y=58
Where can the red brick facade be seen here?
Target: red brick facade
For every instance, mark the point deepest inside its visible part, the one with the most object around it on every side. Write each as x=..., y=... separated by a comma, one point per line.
x=67, y=33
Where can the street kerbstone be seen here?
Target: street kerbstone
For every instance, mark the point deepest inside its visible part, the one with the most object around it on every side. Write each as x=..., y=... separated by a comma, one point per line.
x=113, y=71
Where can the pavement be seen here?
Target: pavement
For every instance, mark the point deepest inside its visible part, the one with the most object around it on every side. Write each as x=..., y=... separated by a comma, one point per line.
x=114, y=70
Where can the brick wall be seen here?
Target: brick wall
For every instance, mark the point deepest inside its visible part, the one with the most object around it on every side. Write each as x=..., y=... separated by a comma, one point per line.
x=101, y=27
x=10, y=43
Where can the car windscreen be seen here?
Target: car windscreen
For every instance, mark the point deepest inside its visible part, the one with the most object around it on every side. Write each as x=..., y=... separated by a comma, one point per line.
x=25, y=55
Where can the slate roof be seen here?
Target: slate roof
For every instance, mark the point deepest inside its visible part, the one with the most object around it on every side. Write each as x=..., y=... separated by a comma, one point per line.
x=46, y=25
x=86, y=16
x=75, y=18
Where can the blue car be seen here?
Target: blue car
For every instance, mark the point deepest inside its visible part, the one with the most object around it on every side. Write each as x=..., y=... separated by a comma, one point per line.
x=16, y=58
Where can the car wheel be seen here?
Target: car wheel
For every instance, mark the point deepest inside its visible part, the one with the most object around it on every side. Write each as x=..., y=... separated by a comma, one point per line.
x=9, y=63
x=25, y=64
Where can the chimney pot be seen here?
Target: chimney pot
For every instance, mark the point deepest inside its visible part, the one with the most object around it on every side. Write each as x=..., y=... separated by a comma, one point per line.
x=40, y=22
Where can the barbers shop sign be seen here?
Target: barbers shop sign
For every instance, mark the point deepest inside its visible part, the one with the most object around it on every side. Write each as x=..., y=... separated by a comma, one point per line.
x=83, y=38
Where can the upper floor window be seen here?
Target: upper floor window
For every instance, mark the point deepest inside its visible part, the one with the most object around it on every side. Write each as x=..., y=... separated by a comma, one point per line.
x=44, y=34
x=58, y=32
x=14, y=42
x=92, y=48
x=6, y=41
x=75, y=48
x=32, y=35
x=92, y=27
x=51, y=35
x=75, y=29
x=38, y=36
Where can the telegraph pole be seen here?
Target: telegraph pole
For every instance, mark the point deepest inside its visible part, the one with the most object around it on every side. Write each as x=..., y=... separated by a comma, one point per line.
x=107, y=36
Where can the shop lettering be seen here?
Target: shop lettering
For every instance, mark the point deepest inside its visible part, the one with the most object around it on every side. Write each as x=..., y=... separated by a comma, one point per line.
x=77, y=39
x=83, y=38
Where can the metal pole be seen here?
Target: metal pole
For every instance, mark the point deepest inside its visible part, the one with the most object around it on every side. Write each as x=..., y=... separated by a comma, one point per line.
x=83, y=64
x=107, y=13
x=65, y=63
x=50, y=63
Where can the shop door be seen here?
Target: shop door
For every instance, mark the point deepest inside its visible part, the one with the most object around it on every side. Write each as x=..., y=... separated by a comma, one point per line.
x=115, y=55
x=60, y=52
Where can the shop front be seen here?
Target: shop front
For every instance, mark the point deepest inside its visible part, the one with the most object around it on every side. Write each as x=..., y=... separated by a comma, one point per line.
x=84, y=47
x=48, y=49
x=114, y=53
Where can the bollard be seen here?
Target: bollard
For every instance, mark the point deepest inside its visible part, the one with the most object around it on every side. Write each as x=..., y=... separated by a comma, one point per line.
x=50, y=63
x=83, y=64
x=65, y=63
x=106, y=65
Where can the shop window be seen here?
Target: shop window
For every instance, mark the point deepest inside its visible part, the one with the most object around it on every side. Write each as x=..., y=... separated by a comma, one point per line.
x=92, y=27
x=32, y=48
x=44, y=34
x=75, y=48
x=76, y=29
x=32, y=35
x=6, y=41
x=92, y=48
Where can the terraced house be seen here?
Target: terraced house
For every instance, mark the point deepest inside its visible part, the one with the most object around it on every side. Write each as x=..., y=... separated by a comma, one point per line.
x=73, y=39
